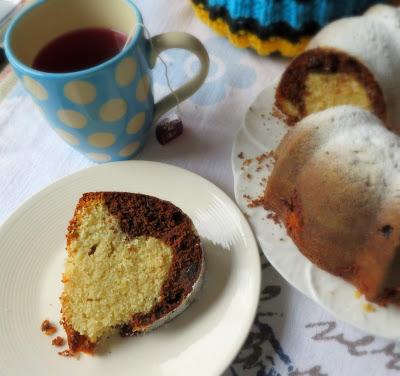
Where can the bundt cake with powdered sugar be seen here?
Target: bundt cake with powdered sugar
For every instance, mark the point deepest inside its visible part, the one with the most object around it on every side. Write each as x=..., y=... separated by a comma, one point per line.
x=134, y=262
x=336, y=188
x=353, y=61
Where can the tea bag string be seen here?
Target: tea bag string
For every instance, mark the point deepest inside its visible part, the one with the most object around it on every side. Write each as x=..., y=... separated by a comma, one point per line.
x=166, y=75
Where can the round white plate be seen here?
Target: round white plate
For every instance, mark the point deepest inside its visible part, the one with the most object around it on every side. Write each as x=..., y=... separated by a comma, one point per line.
x=262, y=132
x=203, y=340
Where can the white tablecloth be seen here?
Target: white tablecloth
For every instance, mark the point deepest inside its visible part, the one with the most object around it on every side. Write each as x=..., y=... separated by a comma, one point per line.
x=291, y=335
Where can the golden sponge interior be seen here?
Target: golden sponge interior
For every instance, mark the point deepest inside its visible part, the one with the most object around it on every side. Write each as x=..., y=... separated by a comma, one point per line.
x=109, y=277
x=325, y=90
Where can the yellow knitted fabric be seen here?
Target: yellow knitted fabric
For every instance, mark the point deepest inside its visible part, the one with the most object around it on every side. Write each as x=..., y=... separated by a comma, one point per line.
x=245, y=39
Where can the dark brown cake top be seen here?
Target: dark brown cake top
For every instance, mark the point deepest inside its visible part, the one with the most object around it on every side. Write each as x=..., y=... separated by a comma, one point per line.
x=142, y=215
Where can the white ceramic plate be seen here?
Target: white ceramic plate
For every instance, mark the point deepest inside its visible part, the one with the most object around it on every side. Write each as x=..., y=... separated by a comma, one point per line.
x=201, y=341
x=262, y=132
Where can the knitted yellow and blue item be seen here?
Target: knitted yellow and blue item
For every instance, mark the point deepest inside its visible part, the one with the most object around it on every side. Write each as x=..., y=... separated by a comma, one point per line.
x=269, y=26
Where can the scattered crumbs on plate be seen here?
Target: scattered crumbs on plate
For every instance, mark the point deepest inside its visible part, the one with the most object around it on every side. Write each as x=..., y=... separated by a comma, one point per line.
x=276, y=113
x=281, y=239
x=263, y=182
x=369, y=308
x=241, y=155
x=255, y=203
x=263, y=116
x=249, y=176
x=265, y=160
x=67, y=353
x=48, y=328
x=58, y=341
x=357, y=294
x=246, y=216
x=247, y=162
x=274, y=217
x=265, y=156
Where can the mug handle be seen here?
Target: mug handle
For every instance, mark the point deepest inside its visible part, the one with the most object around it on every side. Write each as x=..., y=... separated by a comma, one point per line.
x=187, y=42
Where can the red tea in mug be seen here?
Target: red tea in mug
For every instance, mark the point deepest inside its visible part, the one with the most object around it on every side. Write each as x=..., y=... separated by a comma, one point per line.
x=79, y=49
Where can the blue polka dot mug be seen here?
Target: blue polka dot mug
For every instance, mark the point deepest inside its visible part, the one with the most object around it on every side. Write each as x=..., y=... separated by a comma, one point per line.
x=106, y=111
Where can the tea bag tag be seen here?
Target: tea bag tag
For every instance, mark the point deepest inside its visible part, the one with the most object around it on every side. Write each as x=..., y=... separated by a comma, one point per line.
x=171, y=126
x=177, y=115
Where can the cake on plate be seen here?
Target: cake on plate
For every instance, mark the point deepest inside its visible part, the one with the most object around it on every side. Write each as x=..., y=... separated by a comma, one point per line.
x=268, y=26
x=134, y=262
x=336, y=188
x=354, y=61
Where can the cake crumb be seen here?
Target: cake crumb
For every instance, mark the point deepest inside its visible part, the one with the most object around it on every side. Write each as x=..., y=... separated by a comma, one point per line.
x=66, y=353
x=357, y=294
x=256, y=202
x=369, y=308
x=48, y=328
x=247, y=162
x=58, y=341
x=263, y=160
x=274, y=217
x=278, y=114
x=241, y=155
x=265, y=156
x=249, y=176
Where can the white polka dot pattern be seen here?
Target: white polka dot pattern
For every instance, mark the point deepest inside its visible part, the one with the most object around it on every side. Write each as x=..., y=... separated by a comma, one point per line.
x=113, y=110
x=99, y=157
x=129, y=149
x=73, y=119
x=143, y=88
x=67, y=137
x=35, y=88
x=136, y=124
x=101, y=139
x=125, y=72
x=80, y=92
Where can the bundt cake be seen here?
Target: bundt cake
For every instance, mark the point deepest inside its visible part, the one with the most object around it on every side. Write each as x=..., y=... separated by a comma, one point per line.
x=134, y=262
x=354, y=61
x=336, y=188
